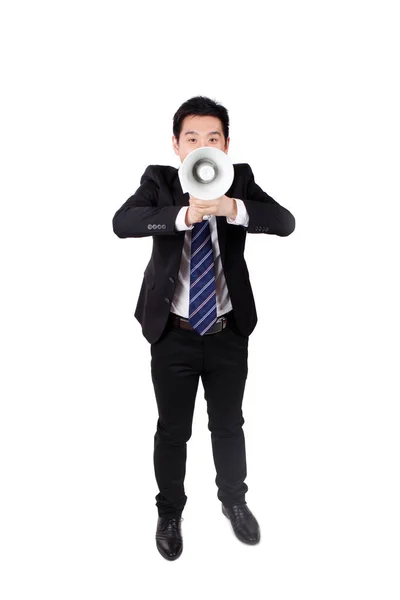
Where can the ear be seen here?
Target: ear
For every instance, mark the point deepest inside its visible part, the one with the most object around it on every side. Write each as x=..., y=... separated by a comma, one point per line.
x=175, y=145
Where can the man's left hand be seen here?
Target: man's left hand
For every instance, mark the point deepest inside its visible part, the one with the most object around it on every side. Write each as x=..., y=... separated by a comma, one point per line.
x=220, y=207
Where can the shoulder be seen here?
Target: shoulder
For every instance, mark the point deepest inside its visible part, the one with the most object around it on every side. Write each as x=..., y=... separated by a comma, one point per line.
x=160, y=174
x=242, y=170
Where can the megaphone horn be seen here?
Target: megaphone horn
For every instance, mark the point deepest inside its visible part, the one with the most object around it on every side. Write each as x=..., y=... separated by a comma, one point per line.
x=206, y=173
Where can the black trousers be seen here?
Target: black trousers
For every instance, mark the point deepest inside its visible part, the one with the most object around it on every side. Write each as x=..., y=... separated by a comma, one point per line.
x=179, y=358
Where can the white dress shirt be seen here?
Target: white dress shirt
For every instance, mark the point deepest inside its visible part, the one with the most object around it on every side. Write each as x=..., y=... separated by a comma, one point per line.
x=180, y=301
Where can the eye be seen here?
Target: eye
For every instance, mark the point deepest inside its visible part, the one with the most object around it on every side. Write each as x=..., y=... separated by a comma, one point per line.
x=214, y=139
x=190, y=139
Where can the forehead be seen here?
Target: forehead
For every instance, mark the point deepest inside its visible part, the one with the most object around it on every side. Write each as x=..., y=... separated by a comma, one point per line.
x=202, y=124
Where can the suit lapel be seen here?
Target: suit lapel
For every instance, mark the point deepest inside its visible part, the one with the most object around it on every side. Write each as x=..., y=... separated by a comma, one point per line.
x=180, y=198
x=221, y=228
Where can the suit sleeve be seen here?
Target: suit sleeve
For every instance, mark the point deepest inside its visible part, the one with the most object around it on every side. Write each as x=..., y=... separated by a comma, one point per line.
x=265, y=214
x=140, y=216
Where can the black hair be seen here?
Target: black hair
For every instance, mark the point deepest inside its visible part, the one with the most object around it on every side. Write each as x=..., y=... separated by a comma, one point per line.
x=200, y=105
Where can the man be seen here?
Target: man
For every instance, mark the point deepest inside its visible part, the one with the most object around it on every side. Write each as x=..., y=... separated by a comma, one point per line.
x=197, y=310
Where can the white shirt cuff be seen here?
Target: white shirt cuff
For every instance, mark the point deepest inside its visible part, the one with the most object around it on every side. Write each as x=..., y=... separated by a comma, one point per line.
x=242, y=217
x=180, y=220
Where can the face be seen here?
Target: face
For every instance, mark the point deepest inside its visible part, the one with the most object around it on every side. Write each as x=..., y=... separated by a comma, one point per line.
x=198, y=131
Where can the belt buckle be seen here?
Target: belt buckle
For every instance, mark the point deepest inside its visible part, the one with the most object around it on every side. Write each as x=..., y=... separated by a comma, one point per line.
x=178, y=319
x=220, y=323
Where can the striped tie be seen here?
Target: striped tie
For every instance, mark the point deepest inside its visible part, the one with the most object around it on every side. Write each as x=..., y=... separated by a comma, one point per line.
x=202, y=292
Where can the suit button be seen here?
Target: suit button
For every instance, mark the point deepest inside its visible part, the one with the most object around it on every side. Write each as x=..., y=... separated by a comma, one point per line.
x=164, y=226
x=149, y=226
x=167, y=300
x=158, y=226
x=267, y=229
x=172, y=280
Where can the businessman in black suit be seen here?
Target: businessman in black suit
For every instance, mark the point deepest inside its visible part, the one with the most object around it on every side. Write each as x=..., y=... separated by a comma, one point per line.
x=181, y=351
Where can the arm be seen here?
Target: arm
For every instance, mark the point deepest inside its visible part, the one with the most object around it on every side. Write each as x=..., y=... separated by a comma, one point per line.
x=242, y=218
x=265, y=214
x=140, y=216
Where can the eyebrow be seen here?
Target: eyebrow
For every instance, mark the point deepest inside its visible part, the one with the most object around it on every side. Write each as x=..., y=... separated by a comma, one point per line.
x=196, y=133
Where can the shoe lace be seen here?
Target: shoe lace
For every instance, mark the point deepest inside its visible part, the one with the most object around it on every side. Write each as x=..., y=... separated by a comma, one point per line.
x=241, y=513
x=172, y=523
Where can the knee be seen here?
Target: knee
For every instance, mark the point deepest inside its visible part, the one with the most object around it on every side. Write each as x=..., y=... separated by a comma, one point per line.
x=172, y=434
x=226, y=428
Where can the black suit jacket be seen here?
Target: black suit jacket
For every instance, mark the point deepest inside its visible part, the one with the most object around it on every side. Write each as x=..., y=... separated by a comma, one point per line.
x=152, y=210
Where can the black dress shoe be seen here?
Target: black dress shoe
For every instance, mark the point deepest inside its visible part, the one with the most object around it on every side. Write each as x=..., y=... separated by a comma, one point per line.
x=169, y=537
x=244, y=523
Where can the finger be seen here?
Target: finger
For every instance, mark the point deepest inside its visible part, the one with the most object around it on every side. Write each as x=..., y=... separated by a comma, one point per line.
x=208, y=207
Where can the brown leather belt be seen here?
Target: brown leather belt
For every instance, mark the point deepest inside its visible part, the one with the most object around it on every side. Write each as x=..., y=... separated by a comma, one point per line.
x=183, y=323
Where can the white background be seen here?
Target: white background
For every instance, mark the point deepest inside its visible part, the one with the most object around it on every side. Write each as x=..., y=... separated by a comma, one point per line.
x=89, y=92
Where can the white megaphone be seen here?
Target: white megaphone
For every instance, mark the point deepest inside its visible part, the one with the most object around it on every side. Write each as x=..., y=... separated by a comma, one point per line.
x=206, y=173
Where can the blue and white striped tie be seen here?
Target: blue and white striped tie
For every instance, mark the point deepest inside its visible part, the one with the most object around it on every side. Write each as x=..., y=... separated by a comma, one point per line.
x=202, y=291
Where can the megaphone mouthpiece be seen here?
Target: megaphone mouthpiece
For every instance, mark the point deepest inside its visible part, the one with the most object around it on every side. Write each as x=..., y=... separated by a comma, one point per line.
x=205, y=171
